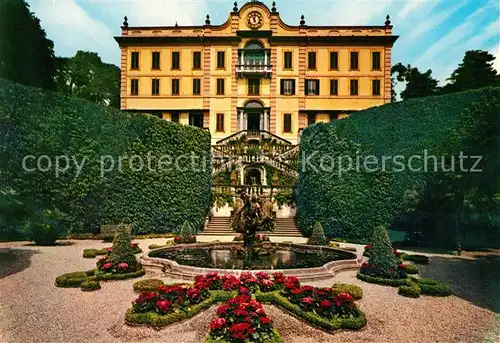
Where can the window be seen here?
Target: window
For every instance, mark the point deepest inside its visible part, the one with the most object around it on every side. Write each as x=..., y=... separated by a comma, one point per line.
x=134, y=63
x=134, y=87
x=287, y=122
x=375, y=87
x=334, y=60
x=221, y=59
x=253, y=86
x=174, y=117
x=197, y=60
x=287, y=64
x=311, y=60
x=220, y=122
x=311, y=119
x=155, y=86
x=334, y=87
x=354, y=60
x=175, y=86
x=354, y=87
x=376, y=60
x=312, y=87
x=287, y=87
x=196, y=119
x=196, y=86
x=155, y=58
x=176, y=60
x=220, y=87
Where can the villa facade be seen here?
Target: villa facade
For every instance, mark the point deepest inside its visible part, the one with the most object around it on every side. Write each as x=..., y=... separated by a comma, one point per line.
x=255, y=83
x=255, y=72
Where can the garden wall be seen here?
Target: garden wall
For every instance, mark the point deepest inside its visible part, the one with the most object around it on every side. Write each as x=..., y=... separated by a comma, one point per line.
x=351, y=204
x=156, y=198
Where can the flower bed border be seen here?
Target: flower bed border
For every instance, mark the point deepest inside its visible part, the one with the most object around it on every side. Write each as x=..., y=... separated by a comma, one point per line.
x=275, y=339
x=66, y=281
x=276, y=299
x=110, y=276
x=155, y=320
x=383, y=281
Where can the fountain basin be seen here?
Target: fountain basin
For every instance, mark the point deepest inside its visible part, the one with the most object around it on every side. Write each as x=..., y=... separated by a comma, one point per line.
x=188, y=260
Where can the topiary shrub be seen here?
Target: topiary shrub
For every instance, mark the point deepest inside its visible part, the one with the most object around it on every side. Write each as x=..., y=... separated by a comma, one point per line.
x=432, y=287
x=48, y=227
x=411, y=291
x=155, y=246
x=90, y=285
x=381, y=253
x=148, y=285
x=411, y=269
x=334, y=245
x=186, y=235
x=122, y=251
x=355, y=291
x=91, y=253
x=74, y=279
x=317, y=236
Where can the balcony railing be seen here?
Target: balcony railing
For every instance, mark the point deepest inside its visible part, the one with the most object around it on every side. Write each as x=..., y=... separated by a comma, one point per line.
x=255, y=69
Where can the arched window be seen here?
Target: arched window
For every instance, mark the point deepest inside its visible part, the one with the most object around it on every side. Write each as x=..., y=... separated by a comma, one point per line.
x=254, y=53
x=253, y=104
x=254, y=45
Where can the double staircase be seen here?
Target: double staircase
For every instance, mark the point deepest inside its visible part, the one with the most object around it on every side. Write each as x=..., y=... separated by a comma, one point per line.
x=221, y=226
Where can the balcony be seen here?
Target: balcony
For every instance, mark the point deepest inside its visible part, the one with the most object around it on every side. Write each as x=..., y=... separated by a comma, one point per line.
x=254, y=69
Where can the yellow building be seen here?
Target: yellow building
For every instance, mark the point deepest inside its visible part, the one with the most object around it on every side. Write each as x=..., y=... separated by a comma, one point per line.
x=255, y=72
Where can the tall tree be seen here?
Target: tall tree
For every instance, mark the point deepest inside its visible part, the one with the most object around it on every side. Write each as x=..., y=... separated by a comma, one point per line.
x=475, y=71
x=86, y=76
x=417, y=84
x=26, y=55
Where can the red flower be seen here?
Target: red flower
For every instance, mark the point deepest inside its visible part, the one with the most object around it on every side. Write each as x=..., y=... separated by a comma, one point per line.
x=402, y=266
x=307, y=300
x=221, y=310
x=279, y=278
x=217, y=323
x=145, y=297
x=262, y=276
x=122, y=265
x=325, y=303
x=368, y=246
x=193, y=293
x=344, y=297
x=265, y=320
x=164, y=305
x=244, y=290
x=107, y=265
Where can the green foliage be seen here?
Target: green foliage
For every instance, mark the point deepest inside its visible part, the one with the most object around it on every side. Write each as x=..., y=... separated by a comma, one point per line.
x=411, y=269
x=91, y=253
x=86, y=76
x=74, y=279
x=90, y=285
x=123, y=276
x=317, y=236
x=381, y=253
x=275, y=298
x=432, y=287
x=351, y=204
x=475, y=71
x=417, y=84
x=155, y=246
x=275, y=338
x=33, y=122
x=122, y=251
x=186, y=230
x=383, y=281
x=48, y=227
x=26, y=55
x=148, y=285
x=355, y=291
x=411, y=291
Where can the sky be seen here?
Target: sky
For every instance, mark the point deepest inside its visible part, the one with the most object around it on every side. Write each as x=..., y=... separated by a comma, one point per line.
x=434, y=34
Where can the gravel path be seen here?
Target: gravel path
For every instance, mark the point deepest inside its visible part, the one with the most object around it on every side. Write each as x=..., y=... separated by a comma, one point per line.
x=32, y=309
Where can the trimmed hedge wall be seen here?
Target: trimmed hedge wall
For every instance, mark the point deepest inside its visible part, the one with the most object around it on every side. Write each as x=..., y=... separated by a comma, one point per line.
x=352, y=204
x=34, y=122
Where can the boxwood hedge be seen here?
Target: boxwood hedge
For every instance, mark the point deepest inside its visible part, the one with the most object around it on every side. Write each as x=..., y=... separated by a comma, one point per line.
x=350, y=204
x=34, y=122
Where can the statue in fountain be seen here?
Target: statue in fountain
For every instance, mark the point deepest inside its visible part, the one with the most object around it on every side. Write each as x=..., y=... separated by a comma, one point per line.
x=252, y=214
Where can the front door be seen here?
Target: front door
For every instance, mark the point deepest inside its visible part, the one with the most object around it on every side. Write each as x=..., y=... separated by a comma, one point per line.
x=253, y=121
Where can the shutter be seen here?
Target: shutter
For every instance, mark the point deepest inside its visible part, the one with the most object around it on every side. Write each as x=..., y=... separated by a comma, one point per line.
x=293, y=87
x=317, y=87
x=282, y=87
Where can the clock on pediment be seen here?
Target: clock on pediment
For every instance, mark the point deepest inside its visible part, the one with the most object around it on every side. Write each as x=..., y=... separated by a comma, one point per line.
x=254, y=20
